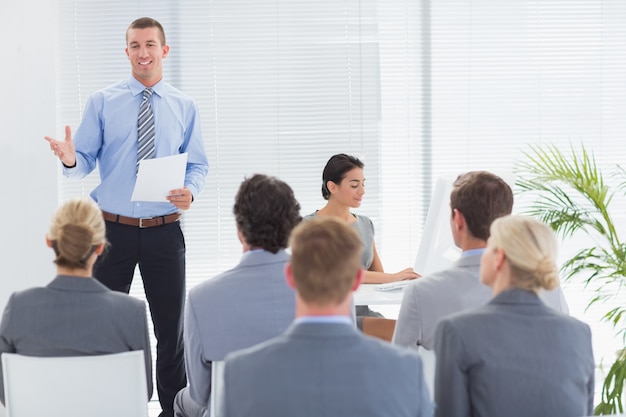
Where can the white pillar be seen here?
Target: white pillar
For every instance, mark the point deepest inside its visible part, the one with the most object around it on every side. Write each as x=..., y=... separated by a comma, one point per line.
x=28, y=170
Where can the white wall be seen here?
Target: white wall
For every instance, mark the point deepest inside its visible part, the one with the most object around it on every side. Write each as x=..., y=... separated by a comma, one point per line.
x=28, y=170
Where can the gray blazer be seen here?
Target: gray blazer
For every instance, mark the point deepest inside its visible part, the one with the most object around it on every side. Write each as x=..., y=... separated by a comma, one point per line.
x=237, y=309
x=324, y=369
x=514, y=357
x=428, y=299
x=74, y=316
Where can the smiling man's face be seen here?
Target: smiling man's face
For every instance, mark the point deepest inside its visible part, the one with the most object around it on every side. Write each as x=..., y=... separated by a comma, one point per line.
x=146, y=52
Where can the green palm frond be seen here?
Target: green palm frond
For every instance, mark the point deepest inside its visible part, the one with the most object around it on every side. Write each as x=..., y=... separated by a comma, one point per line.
x=572, y=197
x=556, y=177
x=599, y=263
x=614, y=315
x=613, y=388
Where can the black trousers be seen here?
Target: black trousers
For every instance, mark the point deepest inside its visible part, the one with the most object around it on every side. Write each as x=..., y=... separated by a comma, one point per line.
x=160, y=253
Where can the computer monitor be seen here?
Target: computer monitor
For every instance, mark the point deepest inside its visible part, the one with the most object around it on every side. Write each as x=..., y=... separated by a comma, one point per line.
x=437, y=250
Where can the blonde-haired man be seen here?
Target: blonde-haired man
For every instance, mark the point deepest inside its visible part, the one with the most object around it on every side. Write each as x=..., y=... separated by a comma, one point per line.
x=322, y=365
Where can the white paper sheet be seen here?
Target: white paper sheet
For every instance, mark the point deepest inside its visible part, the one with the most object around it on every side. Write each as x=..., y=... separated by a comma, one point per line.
x=158, y=176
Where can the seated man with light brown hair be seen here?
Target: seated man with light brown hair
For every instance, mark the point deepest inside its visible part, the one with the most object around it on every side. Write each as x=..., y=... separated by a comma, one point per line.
x=322, y=365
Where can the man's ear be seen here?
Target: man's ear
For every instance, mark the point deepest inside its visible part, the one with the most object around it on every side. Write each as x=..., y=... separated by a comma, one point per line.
x=48, y=241
x=458, y=219
x=358, y=280
x=289, y=276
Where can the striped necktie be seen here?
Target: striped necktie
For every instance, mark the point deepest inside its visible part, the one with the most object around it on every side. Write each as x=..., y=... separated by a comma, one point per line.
x=145, y=128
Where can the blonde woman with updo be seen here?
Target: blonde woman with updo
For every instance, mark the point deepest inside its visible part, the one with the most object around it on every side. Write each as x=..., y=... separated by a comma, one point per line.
x=515, y=357
x=75, y=315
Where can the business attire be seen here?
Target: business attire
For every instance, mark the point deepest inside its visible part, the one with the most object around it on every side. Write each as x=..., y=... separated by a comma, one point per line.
x=513, y=357
x=144, y=233
x=74, y=316
x=430, y=298
x=365, y=228
x=319, y=368
x=246, y=305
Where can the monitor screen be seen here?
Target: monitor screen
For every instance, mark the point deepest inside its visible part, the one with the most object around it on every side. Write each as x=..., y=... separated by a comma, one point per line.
x=437, y=250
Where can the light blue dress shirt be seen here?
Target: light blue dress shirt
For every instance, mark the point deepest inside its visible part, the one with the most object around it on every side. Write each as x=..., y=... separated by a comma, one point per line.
x=108, y=135
x=472, y=252
x=324, y=319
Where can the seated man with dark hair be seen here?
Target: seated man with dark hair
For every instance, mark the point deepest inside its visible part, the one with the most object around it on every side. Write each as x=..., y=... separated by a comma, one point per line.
x=322, y=365
x=249, y=303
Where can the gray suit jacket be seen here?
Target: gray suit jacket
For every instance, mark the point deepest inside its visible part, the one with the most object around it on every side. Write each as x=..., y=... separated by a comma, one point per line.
x=429, y=299
x=74, y=316
x=237, y=309
x=514, y=357
x=324, y=369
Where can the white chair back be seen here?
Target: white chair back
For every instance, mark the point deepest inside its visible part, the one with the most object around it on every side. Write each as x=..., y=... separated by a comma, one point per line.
x=217, y=386
x=429, y=361
x=75, y=386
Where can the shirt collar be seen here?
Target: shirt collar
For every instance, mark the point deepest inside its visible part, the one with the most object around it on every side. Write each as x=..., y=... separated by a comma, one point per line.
x=472, y=252
x=137, y=88
x=323, y=319
x=251, y=251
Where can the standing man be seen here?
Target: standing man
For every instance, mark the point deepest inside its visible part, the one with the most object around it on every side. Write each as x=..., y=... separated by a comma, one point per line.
x=249, y=303
x=138, y=118
x=322, y=365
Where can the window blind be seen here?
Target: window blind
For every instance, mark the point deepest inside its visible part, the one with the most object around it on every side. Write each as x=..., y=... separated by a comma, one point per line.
x=414, y=89
x=508, y=74
x=280, y=85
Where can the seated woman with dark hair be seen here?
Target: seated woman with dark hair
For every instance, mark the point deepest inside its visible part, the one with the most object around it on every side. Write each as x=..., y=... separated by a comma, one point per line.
x=75, y=315
x=515, y=356
x=343, y=187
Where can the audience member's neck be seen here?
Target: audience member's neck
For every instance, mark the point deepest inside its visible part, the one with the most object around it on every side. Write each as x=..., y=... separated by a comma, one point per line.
x=500, y=286
x=470, y=242
x=335, y=209
x=248, y=248
x=75, y=272
x=305, y=309
x=503, y=280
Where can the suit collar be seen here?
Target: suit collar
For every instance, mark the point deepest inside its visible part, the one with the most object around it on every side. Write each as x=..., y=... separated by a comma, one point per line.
x=516, y=296
x=69, y=283
x=263, y=257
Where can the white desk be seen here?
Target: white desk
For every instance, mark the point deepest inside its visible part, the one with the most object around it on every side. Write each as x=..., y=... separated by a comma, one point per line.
x=366, y=294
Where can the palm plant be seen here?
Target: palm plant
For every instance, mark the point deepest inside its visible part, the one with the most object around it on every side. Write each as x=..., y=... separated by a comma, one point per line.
x=572, y=197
